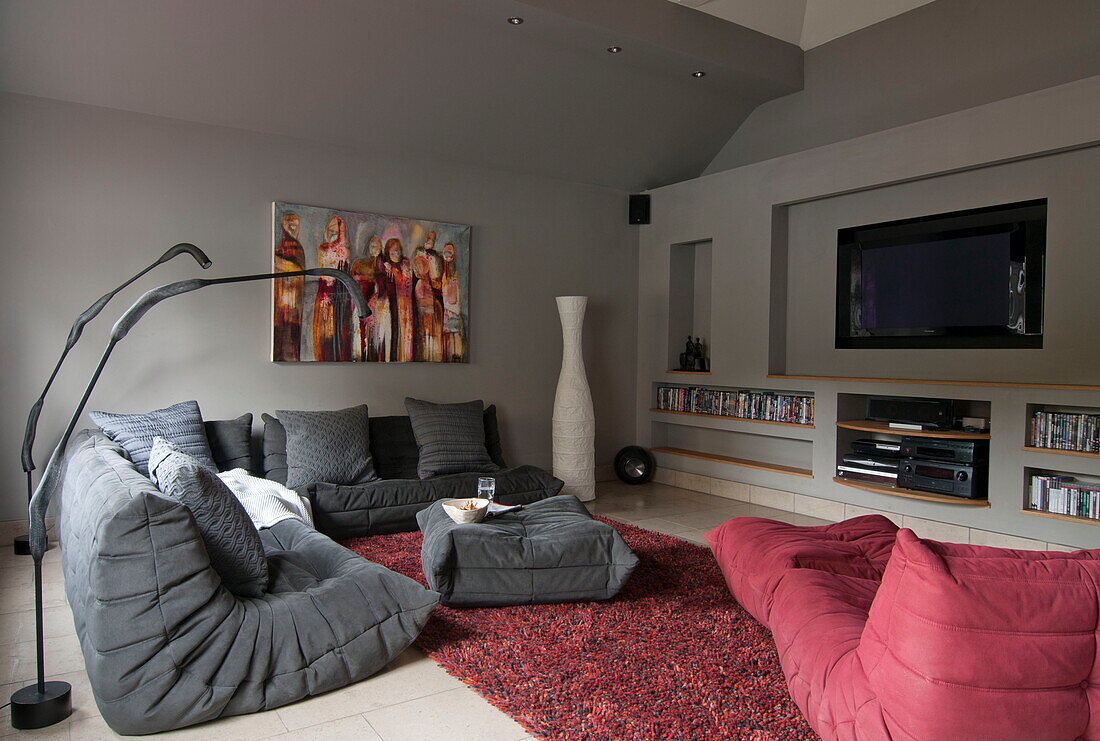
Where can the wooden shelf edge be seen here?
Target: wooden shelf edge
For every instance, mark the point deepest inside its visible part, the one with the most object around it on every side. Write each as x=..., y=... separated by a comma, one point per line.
x=941, y=382
x=866, y=425
x=734, y=419
x=1075, y=453
x=911, y=493
x=743, y=462
x=1055, y=516
x=690, y=373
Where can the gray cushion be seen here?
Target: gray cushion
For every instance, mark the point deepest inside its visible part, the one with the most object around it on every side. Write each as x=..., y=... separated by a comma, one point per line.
x=390, y=506
x=451, y=437
x=180, y=424
x=274, y=449
x=392, y=444
x=549, y=551
x=231, y=539
x=167, y=646
x=327, y=446
x=231, y=442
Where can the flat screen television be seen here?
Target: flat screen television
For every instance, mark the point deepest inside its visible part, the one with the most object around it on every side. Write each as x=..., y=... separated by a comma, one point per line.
x=965, y=279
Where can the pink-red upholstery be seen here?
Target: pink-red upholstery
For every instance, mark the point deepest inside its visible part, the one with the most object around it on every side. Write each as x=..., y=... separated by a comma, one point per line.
x=949, y=642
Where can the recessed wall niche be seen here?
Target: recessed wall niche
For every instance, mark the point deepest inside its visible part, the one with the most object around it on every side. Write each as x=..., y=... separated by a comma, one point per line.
x=689, y=297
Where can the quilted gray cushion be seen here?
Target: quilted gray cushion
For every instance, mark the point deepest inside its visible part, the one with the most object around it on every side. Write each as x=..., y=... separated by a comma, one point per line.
x=327, y=446
x=166, y=645
x=451, y=437
x=549, y=551
x=230, y=537
x=180, y=424
x=231, y=442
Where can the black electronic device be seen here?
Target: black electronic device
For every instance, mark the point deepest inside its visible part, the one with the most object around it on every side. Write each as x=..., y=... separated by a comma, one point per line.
x=879, y=448
x=638, y=211
x=872, y=462
x=965, y=279
x=634, y=465
x=905, y=411
x=940, y=477
x=939, y=449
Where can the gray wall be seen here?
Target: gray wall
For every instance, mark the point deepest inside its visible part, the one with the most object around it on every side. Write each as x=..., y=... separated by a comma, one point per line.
x=1072, y=311
x=90, y=195
x=942, y=57
x=938, y=164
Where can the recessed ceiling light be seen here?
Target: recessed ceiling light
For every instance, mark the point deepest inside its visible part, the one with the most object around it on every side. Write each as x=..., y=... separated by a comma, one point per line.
x=515, y=20
x=614, y=49
x=698, y=73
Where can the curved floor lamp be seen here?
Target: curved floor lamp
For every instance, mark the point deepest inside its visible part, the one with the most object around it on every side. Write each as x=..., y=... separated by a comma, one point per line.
x=45, y=703
x=22, y=542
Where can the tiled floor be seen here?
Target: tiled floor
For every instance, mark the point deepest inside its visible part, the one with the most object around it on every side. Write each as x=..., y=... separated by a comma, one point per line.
x=413, y=699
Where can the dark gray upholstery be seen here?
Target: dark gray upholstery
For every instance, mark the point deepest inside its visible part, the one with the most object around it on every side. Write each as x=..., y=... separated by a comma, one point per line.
x=331, y=446
x=166, y=645
x=550, y=551
x=180, y=423
x=231, y=442
x=451, y=437
x=392, y=444
x=231, y=539
x=392, y=505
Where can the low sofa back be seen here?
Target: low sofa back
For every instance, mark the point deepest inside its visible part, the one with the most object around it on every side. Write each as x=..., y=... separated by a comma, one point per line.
x=974, y=642
x=392, y=445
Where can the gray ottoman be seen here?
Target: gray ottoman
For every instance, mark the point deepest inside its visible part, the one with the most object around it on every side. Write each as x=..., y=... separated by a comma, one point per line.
x=549, y=551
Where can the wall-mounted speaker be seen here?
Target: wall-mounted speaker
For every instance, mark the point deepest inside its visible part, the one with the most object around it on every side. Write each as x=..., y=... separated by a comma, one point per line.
x=639, y=209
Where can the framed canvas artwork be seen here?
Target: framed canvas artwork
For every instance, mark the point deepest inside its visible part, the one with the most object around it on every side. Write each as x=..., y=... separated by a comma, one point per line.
x=414, y=274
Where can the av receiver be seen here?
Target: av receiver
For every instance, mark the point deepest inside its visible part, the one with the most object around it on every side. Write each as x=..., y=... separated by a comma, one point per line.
x=936, y=449
x=941, y=477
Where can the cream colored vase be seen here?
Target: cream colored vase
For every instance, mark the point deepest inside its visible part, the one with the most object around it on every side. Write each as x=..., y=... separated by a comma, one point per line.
x=574, y=421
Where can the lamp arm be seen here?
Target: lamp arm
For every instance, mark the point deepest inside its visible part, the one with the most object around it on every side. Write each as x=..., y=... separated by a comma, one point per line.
x=40, y=500
x=78, y=328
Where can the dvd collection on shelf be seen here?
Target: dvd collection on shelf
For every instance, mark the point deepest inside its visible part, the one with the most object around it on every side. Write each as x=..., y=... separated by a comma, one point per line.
x=1064, y=495
x=1066, y=431
x=766, y=406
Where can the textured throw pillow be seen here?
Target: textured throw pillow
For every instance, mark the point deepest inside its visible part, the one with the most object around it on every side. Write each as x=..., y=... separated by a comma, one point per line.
x=231, y=442
x=231, y=539
x=180, y=424
x=333, y=447
x=451, y=437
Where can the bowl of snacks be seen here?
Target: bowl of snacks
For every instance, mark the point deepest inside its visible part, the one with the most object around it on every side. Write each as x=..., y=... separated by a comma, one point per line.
x=465, y=511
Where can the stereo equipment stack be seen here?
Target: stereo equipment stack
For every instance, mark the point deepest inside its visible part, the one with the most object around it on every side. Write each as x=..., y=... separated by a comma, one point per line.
x=942, y=466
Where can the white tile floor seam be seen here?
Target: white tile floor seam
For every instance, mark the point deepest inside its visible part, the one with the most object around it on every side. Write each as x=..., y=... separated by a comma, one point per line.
x=412, y=699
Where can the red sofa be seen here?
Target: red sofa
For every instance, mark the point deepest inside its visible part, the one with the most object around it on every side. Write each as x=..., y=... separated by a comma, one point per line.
x=886, y=637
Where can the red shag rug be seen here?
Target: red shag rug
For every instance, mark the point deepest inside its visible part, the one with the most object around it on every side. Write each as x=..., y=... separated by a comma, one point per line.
x=672, y=657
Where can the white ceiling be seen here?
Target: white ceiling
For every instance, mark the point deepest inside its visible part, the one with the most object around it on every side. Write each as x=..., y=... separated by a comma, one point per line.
x=808, y=23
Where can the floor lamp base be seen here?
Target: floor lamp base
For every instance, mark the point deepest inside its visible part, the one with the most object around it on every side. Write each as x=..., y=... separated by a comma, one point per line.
x=33, y=709
x=22, y=545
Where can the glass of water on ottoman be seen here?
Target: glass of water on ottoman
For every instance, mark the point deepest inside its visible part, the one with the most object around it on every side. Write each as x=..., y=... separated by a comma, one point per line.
x=486, y=487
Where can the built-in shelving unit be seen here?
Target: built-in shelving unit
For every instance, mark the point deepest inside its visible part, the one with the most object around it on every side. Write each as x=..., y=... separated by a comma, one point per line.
x=850, y=428
x=867, y=425
x=743, y=462
x=1075, y=453
x=734, y=419
x=941, y=382
x=1063, y=518
x=690, y=373
x=897, y=491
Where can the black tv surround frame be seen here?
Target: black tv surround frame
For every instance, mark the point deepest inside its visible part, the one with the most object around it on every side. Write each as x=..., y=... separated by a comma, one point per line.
x=1024, y=221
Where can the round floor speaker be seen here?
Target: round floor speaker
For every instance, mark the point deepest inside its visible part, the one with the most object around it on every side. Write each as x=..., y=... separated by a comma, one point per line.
x=634, y=465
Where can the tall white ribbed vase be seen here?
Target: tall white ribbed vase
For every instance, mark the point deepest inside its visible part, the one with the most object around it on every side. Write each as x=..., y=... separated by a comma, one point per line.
x=574, y=420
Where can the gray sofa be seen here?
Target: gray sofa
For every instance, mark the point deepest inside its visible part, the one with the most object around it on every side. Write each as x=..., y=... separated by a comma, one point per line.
x=166, y=645
x=391, y=505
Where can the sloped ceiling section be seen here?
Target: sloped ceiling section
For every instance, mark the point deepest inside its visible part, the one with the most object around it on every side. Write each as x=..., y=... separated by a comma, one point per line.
x=442, y=78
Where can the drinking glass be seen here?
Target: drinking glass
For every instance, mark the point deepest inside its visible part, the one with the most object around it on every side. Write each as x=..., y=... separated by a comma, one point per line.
x=486, y=487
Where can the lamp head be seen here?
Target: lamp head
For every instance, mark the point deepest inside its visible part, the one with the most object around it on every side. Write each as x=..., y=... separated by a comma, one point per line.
x=186, y=247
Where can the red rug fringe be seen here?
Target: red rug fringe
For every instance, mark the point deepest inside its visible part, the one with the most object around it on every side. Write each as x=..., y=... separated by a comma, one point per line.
x=672, y=657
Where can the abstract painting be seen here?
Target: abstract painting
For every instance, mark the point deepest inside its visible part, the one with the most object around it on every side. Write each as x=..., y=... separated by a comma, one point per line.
x=414, y=274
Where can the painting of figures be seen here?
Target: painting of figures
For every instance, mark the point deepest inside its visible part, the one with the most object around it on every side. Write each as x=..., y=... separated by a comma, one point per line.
x=414, y=274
